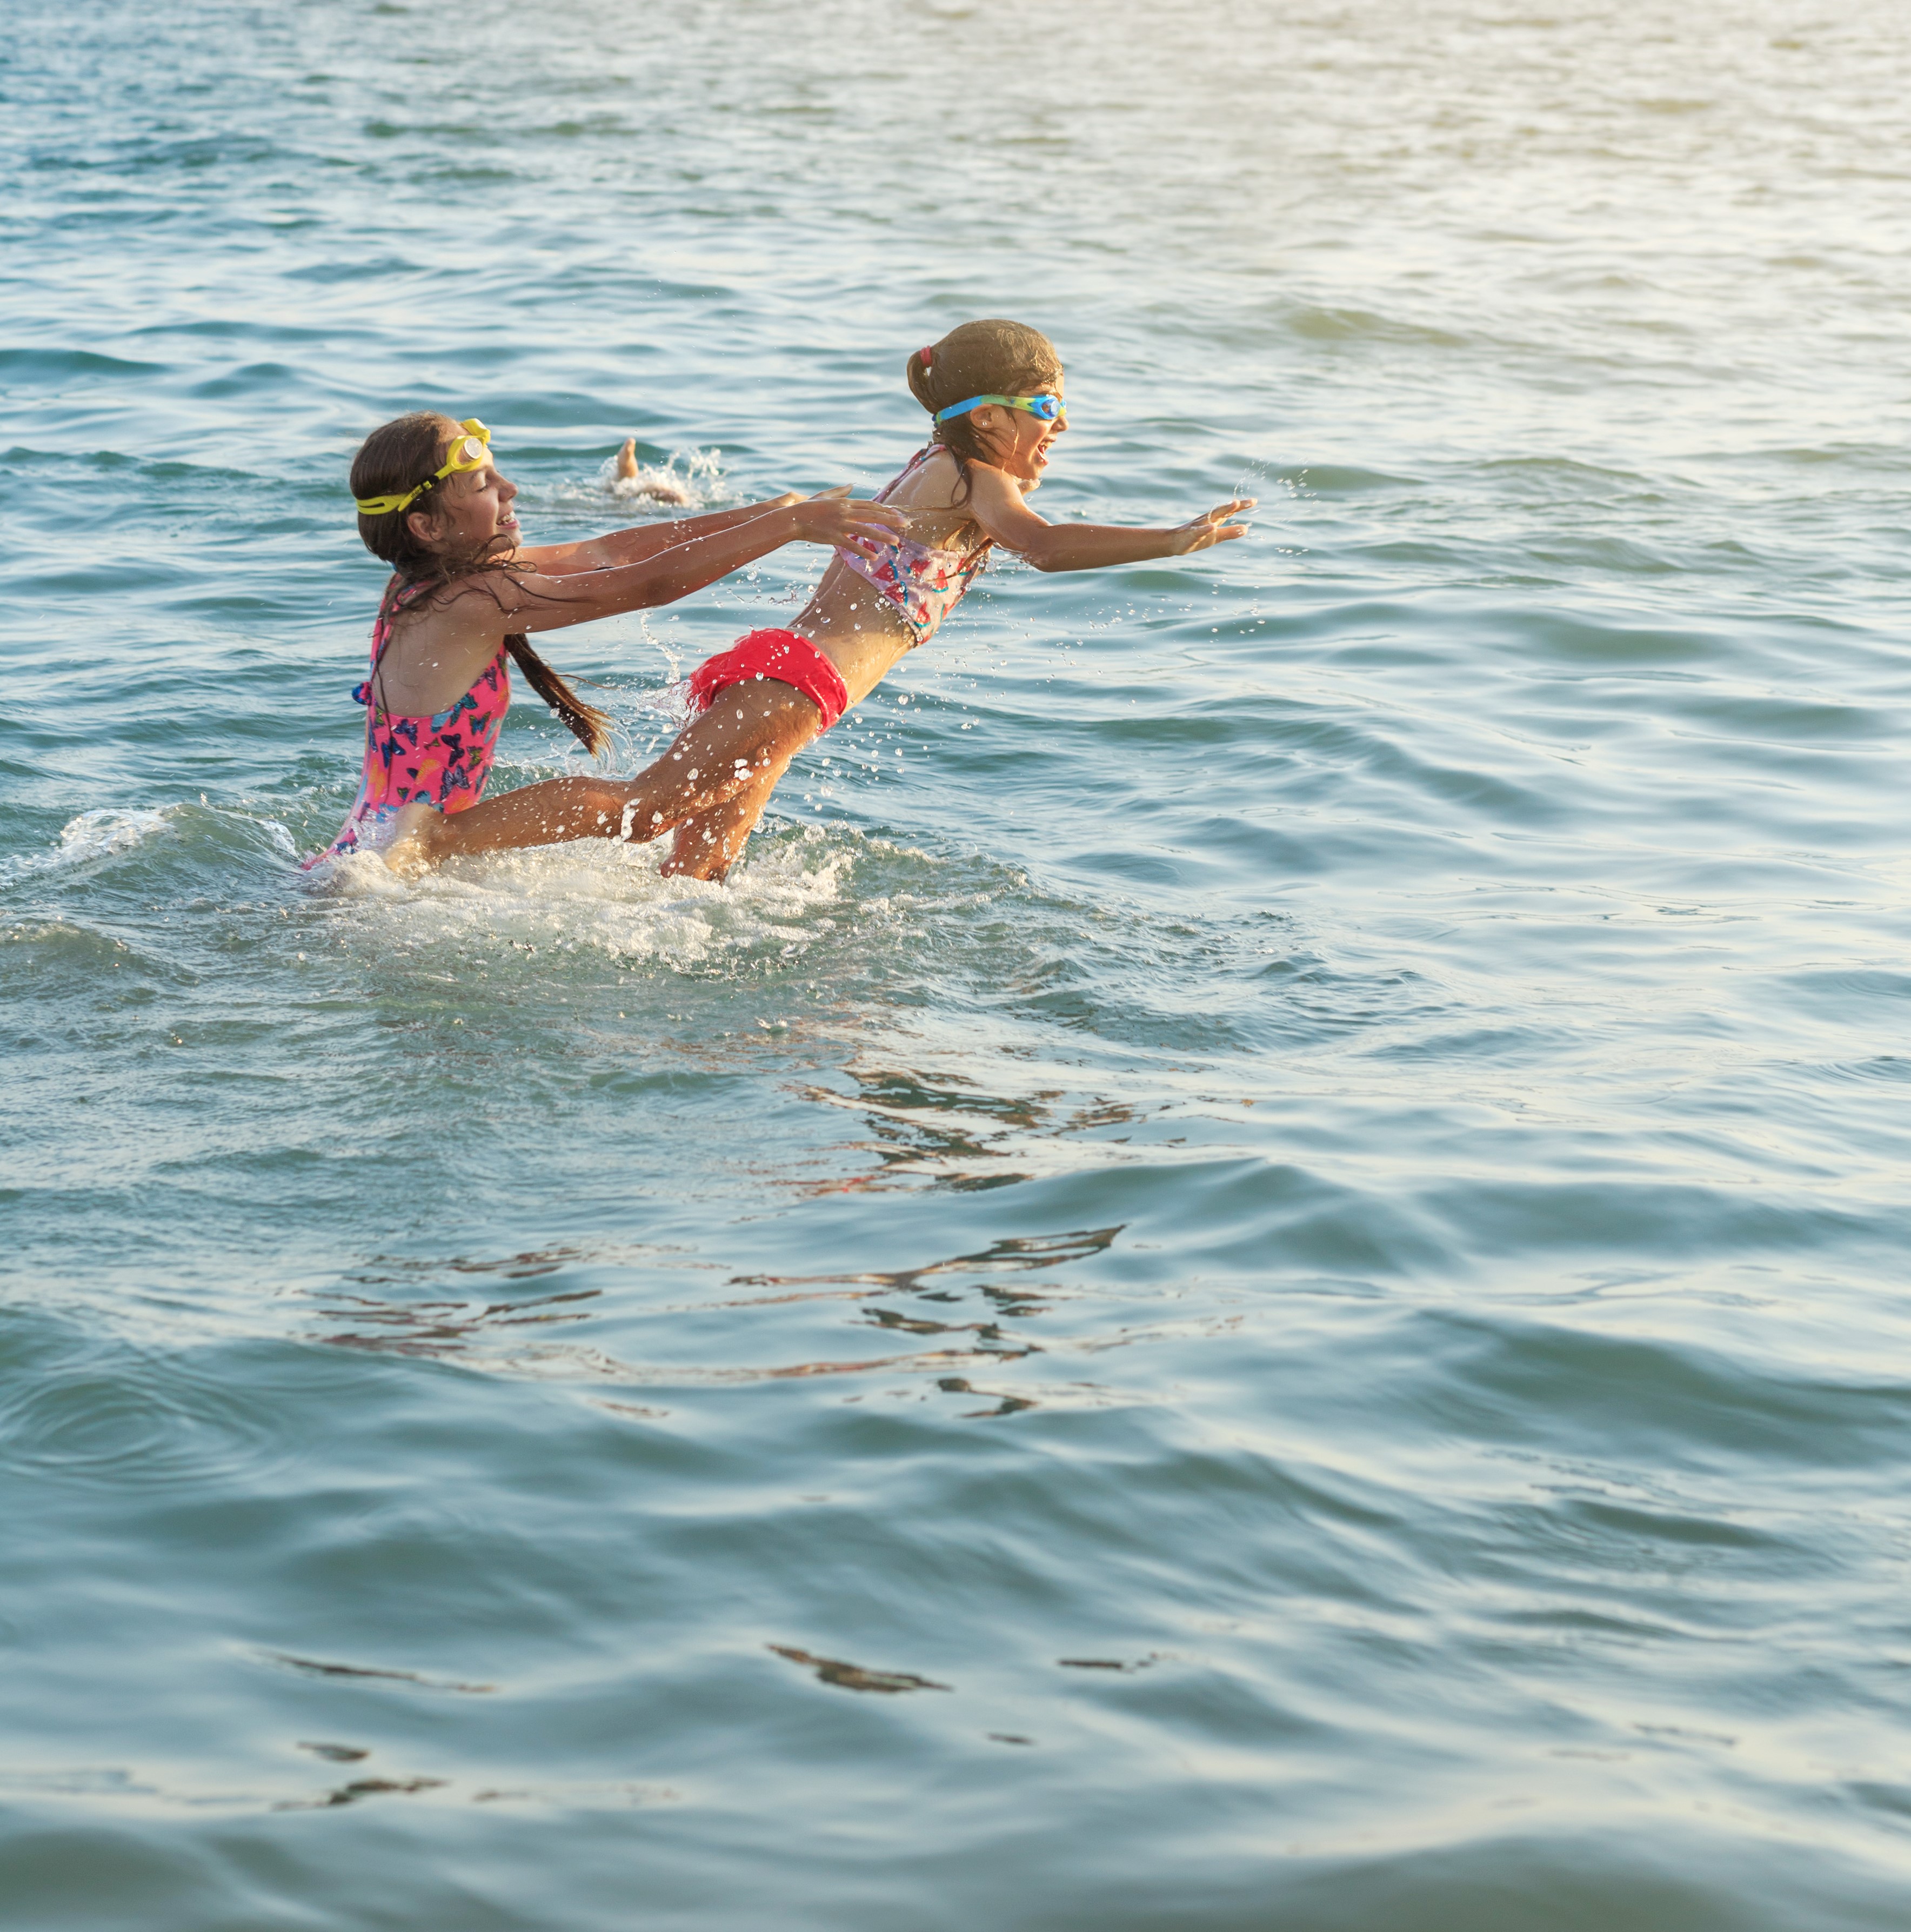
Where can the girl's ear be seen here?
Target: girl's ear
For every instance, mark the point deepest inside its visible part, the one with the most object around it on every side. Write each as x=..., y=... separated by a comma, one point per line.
x=423, y=525
x=990, y=420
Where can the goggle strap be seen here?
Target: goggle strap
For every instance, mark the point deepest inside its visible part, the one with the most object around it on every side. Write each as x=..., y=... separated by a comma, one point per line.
x=1024, y=403
x=475, y=431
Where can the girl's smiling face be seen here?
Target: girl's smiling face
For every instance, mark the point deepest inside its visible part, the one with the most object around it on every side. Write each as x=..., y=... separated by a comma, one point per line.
x=470, y=513
x=1018, y=441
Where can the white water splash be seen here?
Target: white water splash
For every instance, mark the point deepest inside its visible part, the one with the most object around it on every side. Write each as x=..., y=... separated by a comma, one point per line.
x=93, y=835
x=690, y=479
x=597, y=896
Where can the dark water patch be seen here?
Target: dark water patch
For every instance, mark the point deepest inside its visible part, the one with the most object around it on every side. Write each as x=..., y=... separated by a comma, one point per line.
x=253, y=378
x=332, y=271
x=1353, y=325
x=233, y=328
x=59, y=957
x=1877, y=993
x=1676, y=1406
x=65, y=365
x=1580, y=639
x=106, y=1418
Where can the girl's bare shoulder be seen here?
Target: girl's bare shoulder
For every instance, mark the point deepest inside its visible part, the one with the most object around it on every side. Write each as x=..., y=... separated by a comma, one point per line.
x=481, y=601
x=933, y=481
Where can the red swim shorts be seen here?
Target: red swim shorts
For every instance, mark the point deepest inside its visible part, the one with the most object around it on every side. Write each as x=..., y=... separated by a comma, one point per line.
x=780, y=655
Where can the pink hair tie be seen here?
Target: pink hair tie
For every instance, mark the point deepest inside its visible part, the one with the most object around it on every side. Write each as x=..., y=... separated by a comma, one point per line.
x=925, y=355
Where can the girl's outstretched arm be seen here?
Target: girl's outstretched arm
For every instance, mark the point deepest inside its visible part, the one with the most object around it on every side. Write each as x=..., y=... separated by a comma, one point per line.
x=997, y=503
x=548, y=602
x=643, y=541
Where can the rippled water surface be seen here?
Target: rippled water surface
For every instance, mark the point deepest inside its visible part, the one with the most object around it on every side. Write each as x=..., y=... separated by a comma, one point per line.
x=1253, y=1274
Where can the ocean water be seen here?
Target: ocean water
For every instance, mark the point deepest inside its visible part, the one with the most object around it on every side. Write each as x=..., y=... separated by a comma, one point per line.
x=1253, y=1274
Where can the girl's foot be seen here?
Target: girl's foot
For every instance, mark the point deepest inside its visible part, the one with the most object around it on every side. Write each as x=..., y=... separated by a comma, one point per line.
x=658, y=489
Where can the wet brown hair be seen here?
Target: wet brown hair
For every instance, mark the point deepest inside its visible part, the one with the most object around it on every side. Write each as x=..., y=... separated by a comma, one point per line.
x=979, y=358
x=398, y=456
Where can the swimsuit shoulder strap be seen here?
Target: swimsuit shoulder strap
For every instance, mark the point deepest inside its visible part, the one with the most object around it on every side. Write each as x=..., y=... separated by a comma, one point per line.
x=389, y=608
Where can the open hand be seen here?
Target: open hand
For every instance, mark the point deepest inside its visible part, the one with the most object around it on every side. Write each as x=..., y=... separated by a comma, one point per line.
x=1212, y=527
x=832, y=518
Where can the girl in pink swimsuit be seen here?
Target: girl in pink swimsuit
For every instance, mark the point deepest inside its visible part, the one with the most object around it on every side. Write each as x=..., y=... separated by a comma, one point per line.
x=994, y=391
x=463, y=596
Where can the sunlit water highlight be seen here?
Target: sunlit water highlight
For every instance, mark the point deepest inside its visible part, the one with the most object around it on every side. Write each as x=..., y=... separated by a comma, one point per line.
x=1252, y=1274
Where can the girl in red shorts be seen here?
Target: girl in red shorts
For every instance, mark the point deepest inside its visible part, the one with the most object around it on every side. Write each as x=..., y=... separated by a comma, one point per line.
x=995, y=392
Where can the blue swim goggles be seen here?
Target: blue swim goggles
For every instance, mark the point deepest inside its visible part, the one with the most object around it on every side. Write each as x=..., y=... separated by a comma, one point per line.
x=1047, y=407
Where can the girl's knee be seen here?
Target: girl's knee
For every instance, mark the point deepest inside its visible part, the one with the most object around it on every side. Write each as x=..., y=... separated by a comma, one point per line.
x=425, y=841
x=600, y=808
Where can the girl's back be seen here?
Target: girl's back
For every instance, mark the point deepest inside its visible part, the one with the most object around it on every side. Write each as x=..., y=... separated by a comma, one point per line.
x=918, y=577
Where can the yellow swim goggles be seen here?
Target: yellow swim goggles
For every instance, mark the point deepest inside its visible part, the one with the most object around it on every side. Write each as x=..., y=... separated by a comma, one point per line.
x=471, y=450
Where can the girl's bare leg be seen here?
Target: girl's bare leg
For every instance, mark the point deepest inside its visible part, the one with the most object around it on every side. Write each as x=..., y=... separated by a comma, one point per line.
x=709, y=843
x=557, y=810
x=728, y=749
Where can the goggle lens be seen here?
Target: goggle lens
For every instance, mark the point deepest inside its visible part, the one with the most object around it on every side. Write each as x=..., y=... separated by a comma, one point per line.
x=1047, y=408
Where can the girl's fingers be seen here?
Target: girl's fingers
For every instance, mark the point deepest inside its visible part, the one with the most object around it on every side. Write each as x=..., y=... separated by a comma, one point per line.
x=833, y=520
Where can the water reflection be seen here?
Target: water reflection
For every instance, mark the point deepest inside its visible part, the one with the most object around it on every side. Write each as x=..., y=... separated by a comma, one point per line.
x=948, y=1128
x=358, y=1790
x=520, y=1338
x=314, y=1667
x=1015, y=1251
x=1005, y=1403
x=853, y=1676
x=441, y=1327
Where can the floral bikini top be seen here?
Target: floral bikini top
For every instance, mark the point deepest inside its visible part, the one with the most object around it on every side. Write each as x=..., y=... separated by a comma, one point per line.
x=924, y=585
